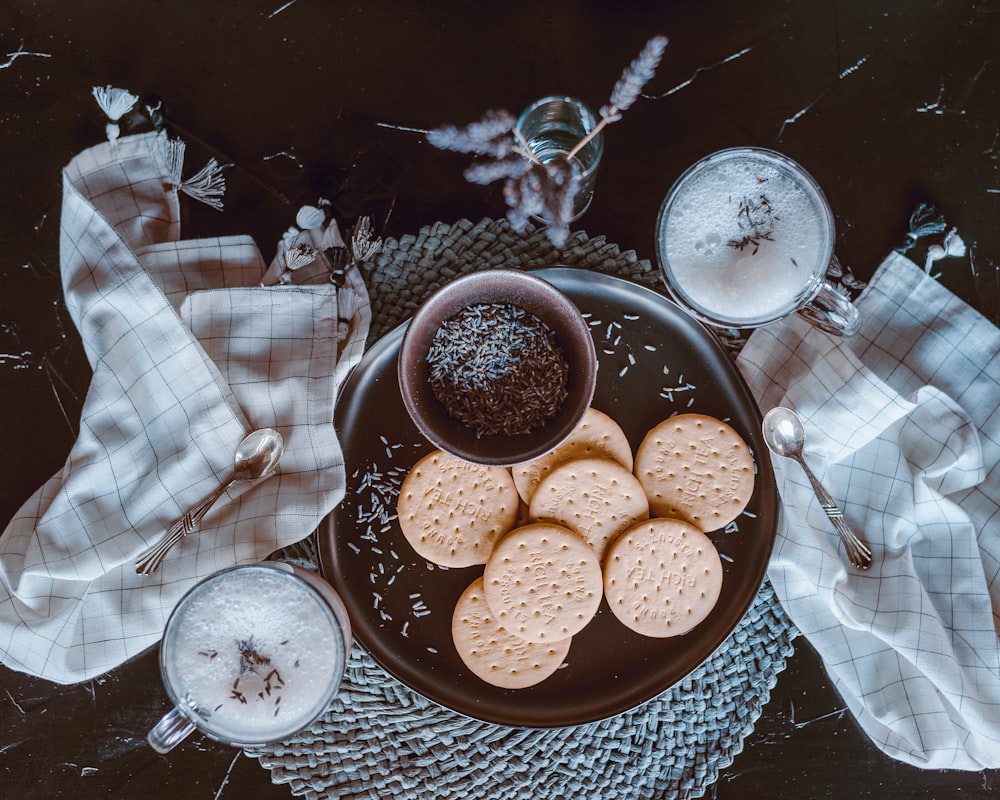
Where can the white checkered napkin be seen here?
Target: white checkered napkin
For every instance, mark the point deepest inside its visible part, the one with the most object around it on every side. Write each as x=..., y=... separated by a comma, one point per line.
x=189, y=353
x=903, y=428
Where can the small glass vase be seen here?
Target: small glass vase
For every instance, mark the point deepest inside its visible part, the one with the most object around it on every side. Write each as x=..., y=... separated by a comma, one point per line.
x=554, y=126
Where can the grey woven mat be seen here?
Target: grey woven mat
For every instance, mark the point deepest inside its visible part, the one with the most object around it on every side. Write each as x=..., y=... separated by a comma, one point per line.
x=380, y=739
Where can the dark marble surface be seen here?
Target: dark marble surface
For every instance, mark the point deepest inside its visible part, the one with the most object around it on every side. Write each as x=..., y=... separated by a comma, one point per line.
x=888, y=104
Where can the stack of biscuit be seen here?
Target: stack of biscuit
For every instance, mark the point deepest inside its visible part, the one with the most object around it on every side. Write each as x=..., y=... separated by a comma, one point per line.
x=582, y=522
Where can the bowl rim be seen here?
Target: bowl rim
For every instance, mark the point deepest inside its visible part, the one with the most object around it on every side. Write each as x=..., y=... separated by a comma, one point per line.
x=534, y=294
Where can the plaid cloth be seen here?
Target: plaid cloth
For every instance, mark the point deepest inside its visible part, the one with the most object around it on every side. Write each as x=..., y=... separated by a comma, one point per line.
x=189, y=353
x=903, y=428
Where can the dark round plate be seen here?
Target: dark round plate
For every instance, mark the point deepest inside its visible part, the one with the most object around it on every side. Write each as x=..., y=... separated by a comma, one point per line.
x=655, y=360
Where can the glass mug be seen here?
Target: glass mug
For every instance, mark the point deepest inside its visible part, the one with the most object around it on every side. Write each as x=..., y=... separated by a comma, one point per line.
x=554, y=126
x=745, y=238
x=251, y=655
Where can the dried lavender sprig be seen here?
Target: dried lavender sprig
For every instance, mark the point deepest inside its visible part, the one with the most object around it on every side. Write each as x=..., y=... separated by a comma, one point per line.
x=627, y=89
x=558, y=194
x=490, y=170
x=490, y=135
x=547, y=191
x=634, y=78
x=523, y=196
x=530, y=187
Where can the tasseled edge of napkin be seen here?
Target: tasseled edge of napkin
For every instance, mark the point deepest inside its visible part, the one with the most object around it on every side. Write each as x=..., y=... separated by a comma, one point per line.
x=312, y=250
x=207, y=185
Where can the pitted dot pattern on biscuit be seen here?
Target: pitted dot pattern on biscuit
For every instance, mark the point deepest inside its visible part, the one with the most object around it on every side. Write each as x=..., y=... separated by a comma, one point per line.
x=662, y=577
x=492, y=652
x=451, y=512
x=696, y=468
x=597, y=436
x=594, y=497
x=543, y=582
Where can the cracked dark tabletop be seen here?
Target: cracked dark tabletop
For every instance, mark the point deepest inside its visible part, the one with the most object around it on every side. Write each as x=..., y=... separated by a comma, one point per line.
x=887, y=104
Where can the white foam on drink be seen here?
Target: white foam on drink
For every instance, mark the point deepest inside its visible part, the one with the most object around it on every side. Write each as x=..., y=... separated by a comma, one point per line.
x=715, y=261
x=255, y=655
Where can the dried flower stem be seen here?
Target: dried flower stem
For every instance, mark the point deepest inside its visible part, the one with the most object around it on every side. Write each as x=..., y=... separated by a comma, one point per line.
x=533, y=188
x=627, y=89
x=602, y=123
x=525, y=148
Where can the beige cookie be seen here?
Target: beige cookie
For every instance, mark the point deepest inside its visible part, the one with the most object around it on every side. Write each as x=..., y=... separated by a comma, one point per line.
x=597, y=436
x=595, y=497
x=452, y=511
x=543, y=582
x=662, y=577
x=696, y=468
x=494, y=654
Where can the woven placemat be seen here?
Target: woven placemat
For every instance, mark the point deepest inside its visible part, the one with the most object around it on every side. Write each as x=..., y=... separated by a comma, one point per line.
x=380, y=739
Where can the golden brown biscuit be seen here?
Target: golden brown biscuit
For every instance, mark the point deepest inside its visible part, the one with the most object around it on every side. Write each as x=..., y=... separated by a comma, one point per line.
x=595, y=497
x=492, y=652
x=662, y=577
x=543, y=582
x=452, y=511
x=696, y=468
x=597, y=436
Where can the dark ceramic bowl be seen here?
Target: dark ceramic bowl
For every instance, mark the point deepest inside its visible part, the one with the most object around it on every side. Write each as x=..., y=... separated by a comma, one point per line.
x=534, y=295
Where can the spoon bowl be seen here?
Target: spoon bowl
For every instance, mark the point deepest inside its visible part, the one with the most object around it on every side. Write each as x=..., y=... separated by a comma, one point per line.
x=255, y=458
x=785, y=435
x=784, y=432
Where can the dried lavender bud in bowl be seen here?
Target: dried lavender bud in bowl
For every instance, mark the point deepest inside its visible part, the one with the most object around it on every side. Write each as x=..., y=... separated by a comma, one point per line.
x=497, y=367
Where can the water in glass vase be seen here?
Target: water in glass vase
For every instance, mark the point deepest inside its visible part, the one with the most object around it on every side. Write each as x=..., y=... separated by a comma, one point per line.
x=553, y=127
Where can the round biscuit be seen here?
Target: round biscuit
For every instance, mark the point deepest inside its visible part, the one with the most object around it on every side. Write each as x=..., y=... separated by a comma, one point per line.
x=696, y=468
x=492, y=652
x=594, y=497
x=597, y=435
x=662, y=577
x=451, y=512
x=543, y=582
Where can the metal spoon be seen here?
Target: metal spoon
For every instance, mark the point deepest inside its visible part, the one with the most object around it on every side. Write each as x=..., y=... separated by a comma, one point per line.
x=785, y=435
x=256, y=457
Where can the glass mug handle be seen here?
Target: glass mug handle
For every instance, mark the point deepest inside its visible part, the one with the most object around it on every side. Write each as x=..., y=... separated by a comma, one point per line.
x=830, y=311
x=172, y=729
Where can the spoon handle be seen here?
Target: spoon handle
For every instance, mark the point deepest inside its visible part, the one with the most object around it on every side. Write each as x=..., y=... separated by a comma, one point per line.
x=149, y=559
x=857, y=551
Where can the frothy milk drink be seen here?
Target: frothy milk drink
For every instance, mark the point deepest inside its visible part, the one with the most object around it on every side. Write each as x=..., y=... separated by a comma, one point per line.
x=744, y=238
x=255, y=654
